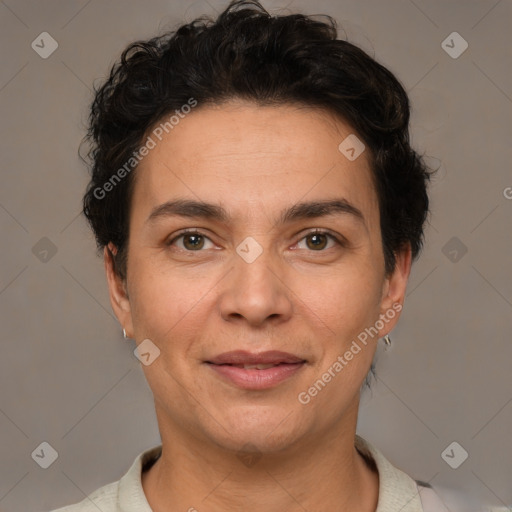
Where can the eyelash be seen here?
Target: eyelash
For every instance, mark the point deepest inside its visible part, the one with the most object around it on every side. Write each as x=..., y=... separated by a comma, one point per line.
x=310, y=233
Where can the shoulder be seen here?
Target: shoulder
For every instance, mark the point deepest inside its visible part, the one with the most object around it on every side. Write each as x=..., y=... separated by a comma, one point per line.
x=399, y=491
x=445, y=499
x=124, y=494
x=430, y=500
x=105, y=499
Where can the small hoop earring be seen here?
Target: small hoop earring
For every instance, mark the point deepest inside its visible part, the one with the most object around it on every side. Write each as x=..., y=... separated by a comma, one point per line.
x=124, y=334
x=387, y=340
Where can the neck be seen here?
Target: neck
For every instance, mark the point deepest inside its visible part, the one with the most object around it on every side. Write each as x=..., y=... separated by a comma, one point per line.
x=323, y=472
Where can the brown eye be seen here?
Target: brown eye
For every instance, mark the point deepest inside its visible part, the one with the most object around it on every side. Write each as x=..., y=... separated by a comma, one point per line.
x=318, y=240
x=191, y=241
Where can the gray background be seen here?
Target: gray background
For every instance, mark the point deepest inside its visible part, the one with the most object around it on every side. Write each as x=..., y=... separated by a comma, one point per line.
x=68, y=377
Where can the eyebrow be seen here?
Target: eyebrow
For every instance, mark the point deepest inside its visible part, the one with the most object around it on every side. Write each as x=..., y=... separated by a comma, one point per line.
x=305, y=210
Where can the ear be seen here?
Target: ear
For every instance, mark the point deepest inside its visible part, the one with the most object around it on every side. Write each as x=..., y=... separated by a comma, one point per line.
x=393, y=291
x=117, y=290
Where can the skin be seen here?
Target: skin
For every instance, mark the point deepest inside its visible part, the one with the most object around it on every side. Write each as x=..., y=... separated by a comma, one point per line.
x=298, y=297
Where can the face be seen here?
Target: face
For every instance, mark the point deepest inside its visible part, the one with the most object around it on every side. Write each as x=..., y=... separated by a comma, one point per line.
x=264, y=269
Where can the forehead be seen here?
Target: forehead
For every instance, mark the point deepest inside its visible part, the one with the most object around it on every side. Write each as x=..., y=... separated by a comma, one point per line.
x=240, y=154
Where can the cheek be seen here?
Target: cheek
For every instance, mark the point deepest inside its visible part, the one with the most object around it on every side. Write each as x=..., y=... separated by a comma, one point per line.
x=165, y=303
x=345, y=299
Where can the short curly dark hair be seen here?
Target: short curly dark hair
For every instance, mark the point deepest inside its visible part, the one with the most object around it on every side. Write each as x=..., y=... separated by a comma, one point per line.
x=248, y=54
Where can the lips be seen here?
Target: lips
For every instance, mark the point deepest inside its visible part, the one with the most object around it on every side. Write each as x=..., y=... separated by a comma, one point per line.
x=256, y=366
x=244, y=358
x=251, y=371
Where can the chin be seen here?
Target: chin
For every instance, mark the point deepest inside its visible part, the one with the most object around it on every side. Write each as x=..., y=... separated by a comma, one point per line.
x=267, y=429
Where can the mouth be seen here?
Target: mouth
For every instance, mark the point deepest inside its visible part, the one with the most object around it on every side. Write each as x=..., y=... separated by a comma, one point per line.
x=253, y=366
x=248, y=370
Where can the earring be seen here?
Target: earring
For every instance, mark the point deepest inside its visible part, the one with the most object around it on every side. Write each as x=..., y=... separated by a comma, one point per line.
x=124, y=334
x=387, y=340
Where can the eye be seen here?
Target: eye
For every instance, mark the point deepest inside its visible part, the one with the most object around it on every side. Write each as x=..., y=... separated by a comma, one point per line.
x=192, y=241
x=319, y=240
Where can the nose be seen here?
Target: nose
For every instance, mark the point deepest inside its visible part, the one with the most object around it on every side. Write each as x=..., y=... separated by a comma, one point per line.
x=256, y=293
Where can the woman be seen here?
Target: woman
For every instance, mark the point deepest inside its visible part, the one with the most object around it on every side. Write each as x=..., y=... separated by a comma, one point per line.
x=259, y=207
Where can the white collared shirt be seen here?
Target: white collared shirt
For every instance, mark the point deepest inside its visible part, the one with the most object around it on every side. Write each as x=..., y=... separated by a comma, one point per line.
x=397, y=490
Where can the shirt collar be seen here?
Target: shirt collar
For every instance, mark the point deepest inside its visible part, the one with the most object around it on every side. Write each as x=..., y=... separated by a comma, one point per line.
x=131, y=494
x=397, y=490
